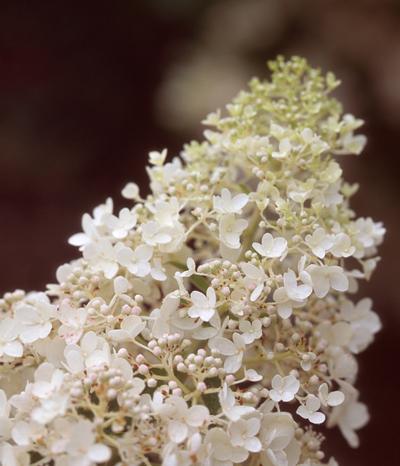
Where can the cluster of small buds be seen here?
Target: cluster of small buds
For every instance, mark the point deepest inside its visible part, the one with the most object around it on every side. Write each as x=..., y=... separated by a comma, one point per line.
x=9, y=299
x=212, y=322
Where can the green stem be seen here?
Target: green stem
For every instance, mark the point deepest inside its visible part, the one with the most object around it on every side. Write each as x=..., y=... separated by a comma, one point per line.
x=250, y=232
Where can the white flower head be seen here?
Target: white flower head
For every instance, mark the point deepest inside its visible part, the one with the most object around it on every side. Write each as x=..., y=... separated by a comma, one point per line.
x=158, y=158
x=73, y=321
x=234, y=351
x=167, y=320
x=369, y=233
x=9, y=345
x=136, y=261
x=48, y=380
x=350, y=416
x=222, y=452
x=230, y=230
x=92, y=226
x=50, y=408
x=166, y=212
x=253, y=375
x=82, y=446
x=294, y=291
x=101, y=254
x=5, y=422
x=310, y=410
x=23, y=433
x=328, y=398
x=284, y=388
x=182, y=420
x=155, y=234
x=226, y=204
x=364, y=323
x=121, y=225
x=319, y=242
x=230, y=408
x=342, y=246
x=271, y=247
x=93, y=351
x=255, y=279
x=191, y=269
x=325, y=277
x=34, y=320
x=277, y=435
x=251, y=331
x=291, y=295
x=131, y=327
x=285, y=148
x=243, y=433
x=203, y=305
x=121, y=285
x=130, y=191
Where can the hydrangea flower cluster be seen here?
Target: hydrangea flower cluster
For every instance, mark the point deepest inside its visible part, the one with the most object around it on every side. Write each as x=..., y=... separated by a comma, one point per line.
x=210, y=323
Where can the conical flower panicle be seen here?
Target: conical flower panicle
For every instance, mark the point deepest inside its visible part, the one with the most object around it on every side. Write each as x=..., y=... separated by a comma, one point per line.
x=211, y=323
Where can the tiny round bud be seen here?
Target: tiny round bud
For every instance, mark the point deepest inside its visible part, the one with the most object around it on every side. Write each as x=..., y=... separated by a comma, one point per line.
x=122, y=353
x=208, y=361
x=232, y=324
x=279, y=347
x=215, y=282
x=111, y=394
x=171, y=339
x=192, y=367
x=139, y=298
x=266, y=321
x=76, y=392
x=198, y=359
x=181, y=367
x=143, y=369
x=152, y=383
x=295, y=337
x=152, y=344
x=178, y=358
x=136, y=310
x=226, y=290
x=162, y=342
x=186, y=342
x=172, y=384
x=323, y=368
x=117, y=427
x=201, y=387
x=140, y=358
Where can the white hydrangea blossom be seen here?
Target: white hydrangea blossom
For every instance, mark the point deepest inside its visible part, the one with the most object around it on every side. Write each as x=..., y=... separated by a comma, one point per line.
x=309, y=410
x=270, y=246
x=210, y=323
x=284, y=388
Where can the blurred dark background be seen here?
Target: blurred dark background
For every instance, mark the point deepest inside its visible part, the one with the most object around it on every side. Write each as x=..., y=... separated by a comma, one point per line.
x=88, y=88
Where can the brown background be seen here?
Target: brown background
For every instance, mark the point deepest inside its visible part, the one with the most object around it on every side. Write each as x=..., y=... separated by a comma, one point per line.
x=88, y=88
